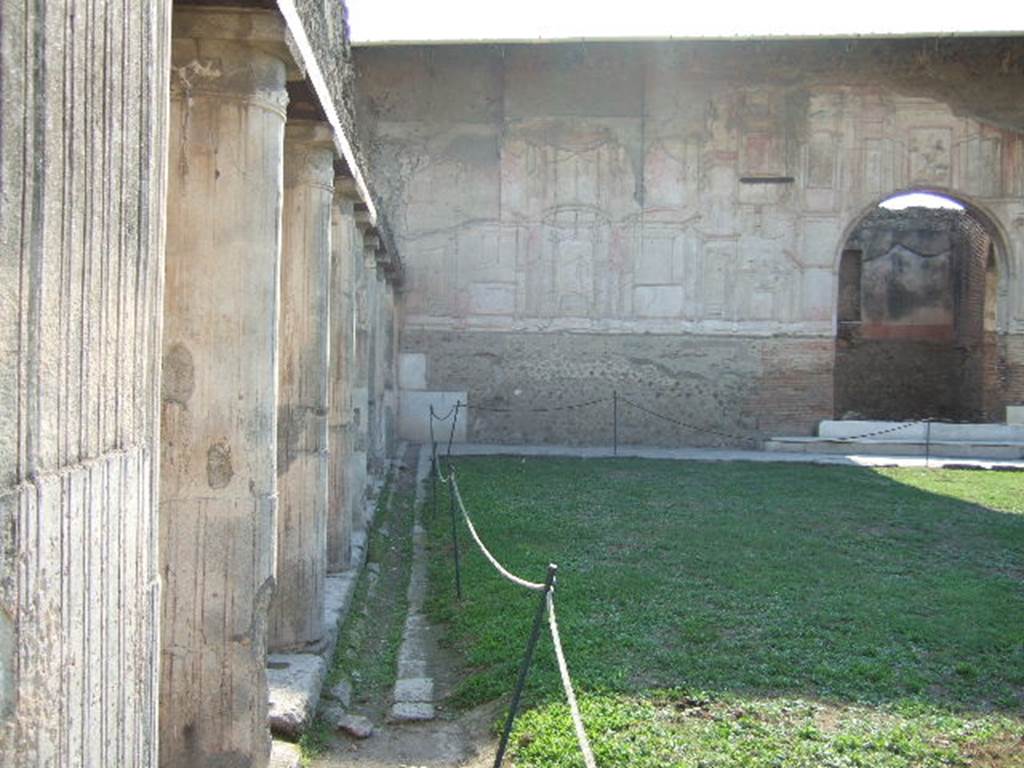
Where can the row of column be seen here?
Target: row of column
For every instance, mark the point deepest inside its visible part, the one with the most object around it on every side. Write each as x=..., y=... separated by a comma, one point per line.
x=268, y=377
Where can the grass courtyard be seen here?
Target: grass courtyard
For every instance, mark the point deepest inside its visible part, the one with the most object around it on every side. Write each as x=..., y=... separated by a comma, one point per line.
x=747, y=614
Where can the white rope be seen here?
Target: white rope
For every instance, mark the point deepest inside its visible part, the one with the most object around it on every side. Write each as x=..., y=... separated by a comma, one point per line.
x=563, y=668
x=491, y=558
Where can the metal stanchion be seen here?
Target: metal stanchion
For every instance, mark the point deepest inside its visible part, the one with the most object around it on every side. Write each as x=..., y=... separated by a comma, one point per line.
x=455, y=535
x=525, y=668
x=615, y=422
x=433, y=479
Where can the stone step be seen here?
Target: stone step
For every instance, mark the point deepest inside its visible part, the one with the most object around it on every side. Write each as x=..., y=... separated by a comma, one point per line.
x=294, y=680
x=285, y=755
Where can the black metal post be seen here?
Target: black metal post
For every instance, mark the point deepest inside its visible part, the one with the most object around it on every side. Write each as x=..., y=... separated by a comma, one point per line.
x=549, y=582
x=451, y=434
x=927, y=443
x=433, y=479
x=433, y=464
x=455, y=535
x=615, y=422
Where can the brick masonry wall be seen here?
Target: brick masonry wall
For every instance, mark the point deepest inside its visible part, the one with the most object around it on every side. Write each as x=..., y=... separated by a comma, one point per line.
x=898, y=379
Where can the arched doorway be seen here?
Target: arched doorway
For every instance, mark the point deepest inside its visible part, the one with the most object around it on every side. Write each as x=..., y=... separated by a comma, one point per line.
x=916, y=334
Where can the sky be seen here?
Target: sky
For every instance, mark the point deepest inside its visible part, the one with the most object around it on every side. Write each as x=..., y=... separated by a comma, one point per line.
x=394, y=20
x=919, y=200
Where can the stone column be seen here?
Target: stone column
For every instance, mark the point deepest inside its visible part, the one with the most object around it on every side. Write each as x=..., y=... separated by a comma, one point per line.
x=373, y=351
x=83, y=123
x=219, y=470
x=391, y=367
x=382, y=375
x=297, y=610
x=342, y=345
x=358, y=459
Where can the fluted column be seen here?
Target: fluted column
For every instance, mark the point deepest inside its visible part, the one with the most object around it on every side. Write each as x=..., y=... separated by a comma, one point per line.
x=219, y=420
x=83, y=145
x=374, y=345
x=297, y=610
x=342, y=345
x=358, y=459
x=390, y=363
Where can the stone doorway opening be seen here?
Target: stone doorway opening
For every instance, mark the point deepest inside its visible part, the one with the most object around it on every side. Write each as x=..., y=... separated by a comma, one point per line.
x=916, y=323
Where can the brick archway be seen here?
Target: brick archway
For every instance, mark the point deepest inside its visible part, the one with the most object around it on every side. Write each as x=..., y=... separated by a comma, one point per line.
x=917, y=314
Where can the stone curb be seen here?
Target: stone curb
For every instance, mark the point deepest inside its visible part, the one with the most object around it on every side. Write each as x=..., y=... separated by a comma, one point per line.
x=414, y=689
x=295, y=680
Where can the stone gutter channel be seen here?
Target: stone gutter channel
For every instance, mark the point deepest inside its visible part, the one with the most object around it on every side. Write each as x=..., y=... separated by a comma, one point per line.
x=414, y=687
x=295, y=680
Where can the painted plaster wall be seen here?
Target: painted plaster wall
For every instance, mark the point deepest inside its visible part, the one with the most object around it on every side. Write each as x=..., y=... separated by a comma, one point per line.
x=82, y=182
x=542, y=191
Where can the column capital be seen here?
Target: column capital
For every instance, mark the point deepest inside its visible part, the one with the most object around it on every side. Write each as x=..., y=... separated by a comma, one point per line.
x=345, y=188
x=309, y=154
x=363, y=220
x=259, y=28
x=370, y=245
x=313, y=133
x=230, y=53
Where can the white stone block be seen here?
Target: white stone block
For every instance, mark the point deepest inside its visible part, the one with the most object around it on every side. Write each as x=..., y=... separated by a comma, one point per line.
x=294, y=681
x=412, y=370
x=1015, y=415
x=414, y=416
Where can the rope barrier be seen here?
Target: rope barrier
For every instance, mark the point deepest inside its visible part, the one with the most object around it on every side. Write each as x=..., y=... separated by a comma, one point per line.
x=687, y=425
x=547, y=602
x=435, y=417
x=547, y=588
x=433, y=445
x=877, y=432
x=549, y=409
x=454, y=412
x=570, y=694
x=476, y=537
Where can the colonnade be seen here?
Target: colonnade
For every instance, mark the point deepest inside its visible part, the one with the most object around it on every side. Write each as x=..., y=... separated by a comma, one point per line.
x=273, y=401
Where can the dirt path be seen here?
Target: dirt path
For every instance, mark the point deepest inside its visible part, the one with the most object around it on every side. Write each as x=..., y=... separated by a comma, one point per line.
x=372, y=637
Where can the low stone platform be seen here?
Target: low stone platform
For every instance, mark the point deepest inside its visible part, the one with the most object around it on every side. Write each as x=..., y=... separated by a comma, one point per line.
x=948, y=442
x=295, y=679
x=848, y=457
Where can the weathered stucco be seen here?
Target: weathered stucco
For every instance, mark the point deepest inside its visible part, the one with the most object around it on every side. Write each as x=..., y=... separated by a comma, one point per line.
x=696, y=191
x=82, y=182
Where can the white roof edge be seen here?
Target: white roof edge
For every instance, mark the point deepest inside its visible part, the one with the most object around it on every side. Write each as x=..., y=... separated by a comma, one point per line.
x=319, y=83
x=692, y=38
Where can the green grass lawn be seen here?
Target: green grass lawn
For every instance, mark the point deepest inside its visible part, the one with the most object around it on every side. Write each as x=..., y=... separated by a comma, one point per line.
x=748, y=614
